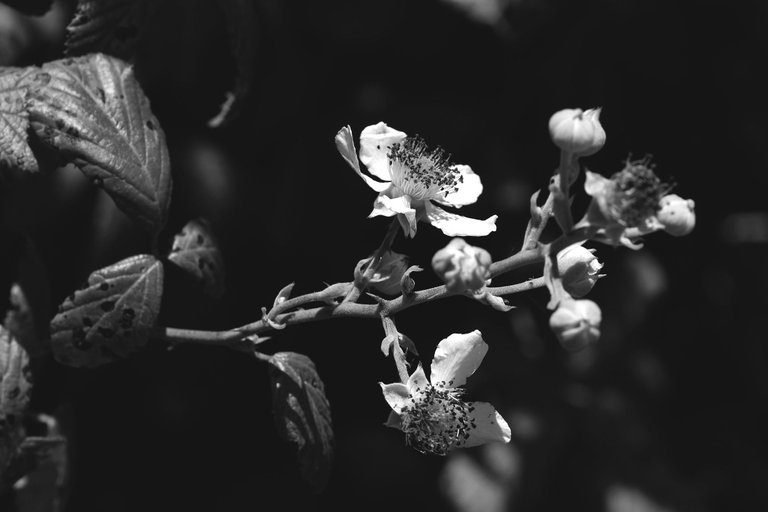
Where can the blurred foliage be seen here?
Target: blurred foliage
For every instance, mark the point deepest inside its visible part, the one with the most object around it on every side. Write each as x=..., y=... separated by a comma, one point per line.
x=668, y=413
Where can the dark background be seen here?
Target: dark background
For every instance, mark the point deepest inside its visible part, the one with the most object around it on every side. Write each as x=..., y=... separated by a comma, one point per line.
x=666, y=413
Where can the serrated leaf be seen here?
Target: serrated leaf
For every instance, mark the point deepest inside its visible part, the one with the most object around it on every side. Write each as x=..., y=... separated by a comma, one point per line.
x=20, y=322
x=111, y=317
x=15, y=389
x=94, y=111
x=241, y=20
x=113, y=27
x=15, y=84
x=196, y=251
x=303, y=414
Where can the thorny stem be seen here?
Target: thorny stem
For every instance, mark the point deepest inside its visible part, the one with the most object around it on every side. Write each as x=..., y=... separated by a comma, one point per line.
x=373, y=266
x=235, y=338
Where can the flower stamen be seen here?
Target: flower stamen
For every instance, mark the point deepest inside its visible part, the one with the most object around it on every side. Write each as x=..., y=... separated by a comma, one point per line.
x=437, y=419
x=420, y=172
x=637, y=192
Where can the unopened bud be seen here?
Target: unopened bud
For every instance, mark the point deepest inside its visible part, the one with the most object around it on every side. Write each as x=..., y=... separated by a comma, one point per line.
x=576, y=323
x=576, y=131
x=461, y=266
x=676, y=215
x=578, y=269
x=386, y=278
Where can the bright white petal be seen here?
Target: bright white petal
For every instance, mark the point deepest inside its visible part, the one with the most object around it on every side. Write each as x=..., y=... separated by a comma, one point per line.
x=417, y=381
x=346, y=146
x=375, y=141
x=396, y=395
x=490, y=426
x=387, y=206
x=457, y=357
x=595, y=184
x=468, y=190
x=456, y=225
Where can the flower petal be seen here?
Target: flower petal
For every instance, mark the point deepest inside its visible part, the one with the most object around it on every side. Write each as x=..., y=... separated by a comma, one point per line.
x=394, y=421
x=595, y=184
x=468, y=191
x=456, y=225
x=401, y=206
x=457, y=357
x=417, y=381
x=375, y=141
x=346, y=146
x=489, y=426
x=396, y=395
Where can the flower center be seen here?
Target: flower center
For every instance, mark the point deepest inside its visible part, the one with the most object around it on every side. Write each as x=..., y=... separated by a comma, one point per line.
x=437, y=420
x=419, y=172
x=637, y=192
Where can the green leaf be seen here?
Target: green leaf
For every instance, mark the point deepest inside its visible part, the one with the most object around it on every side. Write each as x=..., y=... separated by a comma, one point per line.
x=15, y=389
x=112, y=316
x=303, y=414
x=109, y=26
x=94, y=112
x=240, y=17
x=196, y=251
x=15, y=84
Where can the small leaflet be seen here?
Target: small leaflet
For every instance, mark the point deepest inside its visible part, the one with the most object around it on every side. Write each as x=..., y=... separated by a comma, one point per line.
x=196, y=251
x=112, y=316
x=303, y=414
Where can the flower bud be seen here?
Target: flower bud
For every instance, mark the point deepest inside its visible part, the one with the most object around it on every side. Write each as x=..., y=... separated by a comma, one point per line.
x=576, y=323
x=578, y=269
x=576, y=131
x=676, y=215
x=461, y=266
x=386, y=278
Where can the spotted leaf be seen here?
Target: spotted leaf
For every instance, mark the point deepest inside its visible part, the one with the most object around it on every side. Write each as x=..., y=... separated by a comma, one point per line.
x=95, y=114
x=111, y=317
x=15, y=85
x=196, y=251
x=303, y=414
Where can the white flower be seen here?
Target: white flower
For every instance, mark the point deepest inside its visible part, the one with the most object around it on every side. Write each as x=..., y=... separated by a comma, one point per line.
x=432, y=414
x=408, y=177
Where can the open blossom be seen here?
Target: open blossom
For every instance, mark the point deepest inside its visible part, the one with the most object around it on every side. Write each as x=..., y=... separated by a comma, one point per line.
x=409, y=177
x=624, y=204
x=462, y=266
x=431, y=412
